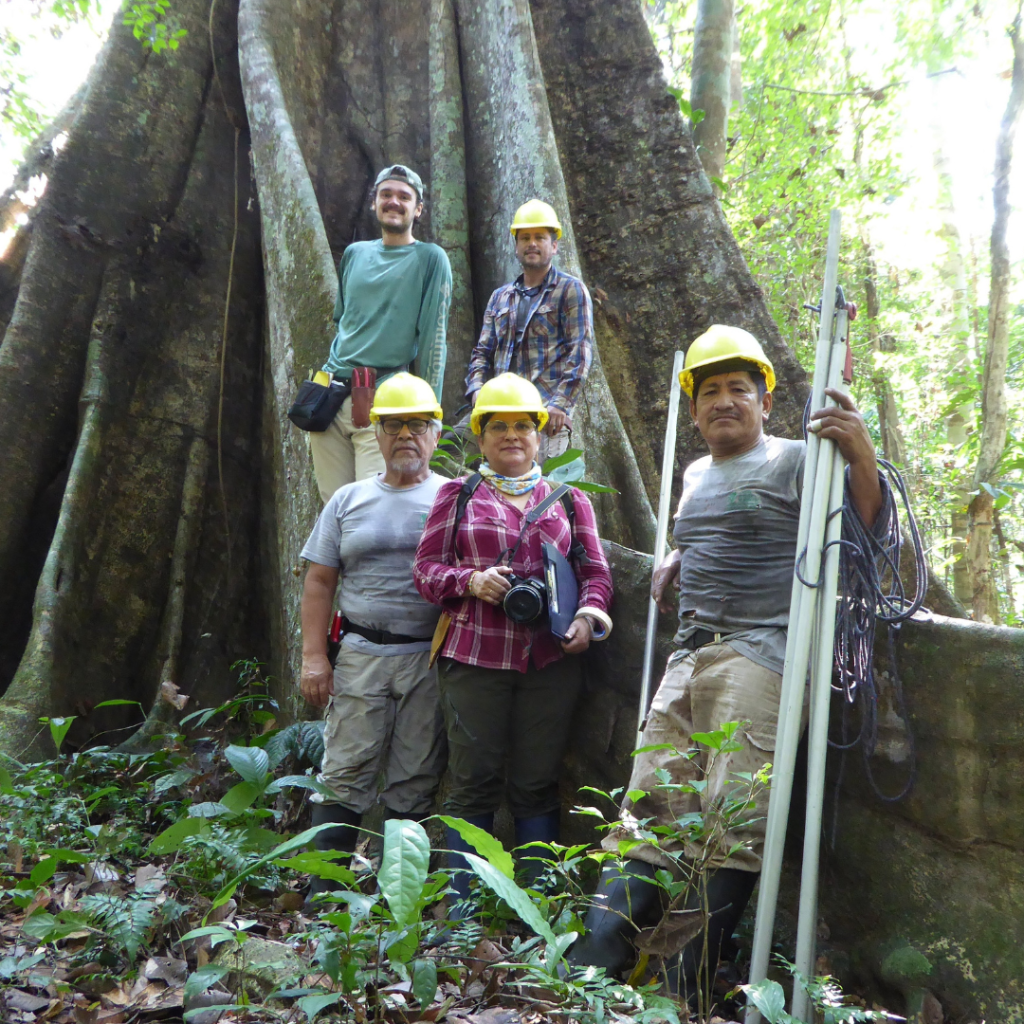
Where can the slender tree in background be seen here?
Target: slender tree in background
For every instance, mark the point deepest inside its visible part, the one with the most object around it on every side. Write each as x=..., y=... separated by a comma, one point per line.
x=985, y=596
x=711, y=85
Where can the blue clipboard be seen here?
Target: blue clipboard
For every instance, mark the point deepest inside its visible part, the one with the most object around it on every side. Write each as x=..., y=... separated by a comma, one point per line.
x=563, y=591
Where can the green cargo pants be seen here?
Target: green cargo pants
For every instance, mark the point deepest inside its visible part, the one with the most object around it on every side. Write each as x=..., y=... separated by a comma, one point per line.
x=497, y=718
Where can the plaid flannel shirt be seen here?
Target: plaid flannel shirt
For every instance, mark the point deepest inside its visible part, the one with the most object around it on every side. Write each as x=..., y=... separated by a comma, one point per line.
x=558, y=343
x=480, y=633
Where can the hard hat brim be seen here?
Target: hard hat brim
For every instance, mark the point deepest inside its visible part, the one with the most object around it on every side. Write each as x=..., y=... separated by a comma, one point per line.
x=686, y=376
x=524, y=227
x=434, y=412
x=479, y=414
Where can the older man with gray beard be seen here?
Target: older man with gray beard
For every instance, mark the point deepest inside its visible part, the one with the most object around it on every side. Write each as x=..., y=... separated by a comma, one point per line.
x=381, y=697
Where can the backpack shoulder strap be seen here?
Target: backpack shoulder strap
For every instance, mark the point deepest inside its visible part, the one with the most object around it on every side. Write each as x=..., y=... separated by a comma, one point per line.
x=577, y=551
x=469, y=486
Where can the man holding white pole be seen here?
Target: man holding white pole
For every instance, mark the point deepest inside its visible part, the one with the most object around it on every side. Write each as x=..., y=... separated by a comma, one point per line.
x=735, y=533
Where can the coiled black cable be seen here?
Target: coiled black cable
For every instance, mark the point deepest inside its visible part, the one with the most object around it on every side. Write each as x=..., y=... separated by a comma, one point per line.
x=871, y=591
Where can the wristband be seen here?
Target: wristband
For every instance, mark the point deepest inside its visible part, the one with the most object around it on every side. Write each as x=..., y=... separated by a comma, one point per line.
x=469, y=583
x=597, y=615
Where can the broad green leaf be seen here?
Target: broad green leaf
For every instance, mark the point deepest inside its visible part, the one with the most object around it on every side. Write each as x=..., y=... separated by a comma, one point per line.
x=58, y=728
x=402, y=946
x=569, y=455
x=203, y=978
x=312, y=1005
x=6, y=782
x=310, y=782
x=424, y=982
x=239, y=798
x=43, y=871
x=197, y=1013
x=171, y=838
x=216, y=932
x=70, y=856
x=770, y=999
x=484, y=843
x=115, y=703
x=518, y=900
x=252, y=763
x=173, y=779
x=295, y=843
x=403, y=868
x=208, y=809
x=321, y=864
x=589, y=485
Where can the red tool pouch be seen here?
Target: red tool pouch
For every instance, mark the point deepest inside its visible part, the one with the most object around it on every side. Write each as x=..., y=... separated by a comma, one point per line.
x=364, y=384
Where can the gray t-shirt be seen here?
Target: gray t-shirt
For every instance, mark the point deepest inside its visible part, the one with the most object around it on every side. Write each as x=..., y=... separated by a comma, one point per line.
x=736, y=532
x=370, y=530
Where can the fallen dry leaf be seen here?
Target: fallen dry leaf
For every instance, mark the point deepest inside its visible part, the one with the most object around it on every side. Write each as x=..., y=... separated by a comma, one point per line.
x=484, y=954
x=167, y=969
x=671, y=933
x=25, y=1002
x=149, y=878
x=170, y=694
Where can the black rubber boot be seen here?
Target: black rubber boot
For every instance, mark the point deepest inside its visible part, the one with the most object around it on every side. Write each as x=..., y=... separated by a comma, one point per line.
x=540, y=828
x=627, y=899
x=458, y=845
x=343, y=838
x=728, y=894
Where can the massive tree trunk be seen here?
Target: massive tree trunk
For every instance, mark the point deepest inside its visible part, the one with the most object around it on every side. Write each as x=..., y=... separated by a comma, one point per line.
x=985, y=594
x=120, y=483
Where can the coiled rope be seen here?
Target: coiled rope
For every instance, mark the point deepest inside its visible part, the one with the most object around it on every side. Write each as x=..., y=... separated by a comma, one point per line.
x=871, y=592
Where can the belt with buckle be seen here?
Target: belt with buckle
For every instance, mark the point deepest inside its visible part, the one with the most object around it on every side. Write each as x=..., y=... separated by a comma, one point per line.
x=381, y=636
x=700, y=638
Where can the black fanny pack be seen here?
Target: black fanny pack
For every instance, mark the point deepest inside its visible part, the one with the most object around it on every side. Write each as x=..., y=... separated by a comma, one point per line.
x=316, y=405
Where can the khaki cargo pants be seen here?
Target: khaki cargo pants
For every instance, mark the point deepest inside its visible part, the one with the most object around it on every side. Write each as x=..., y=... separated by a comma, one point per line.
x=344, y=453
x=700, y=691
x=384, y=719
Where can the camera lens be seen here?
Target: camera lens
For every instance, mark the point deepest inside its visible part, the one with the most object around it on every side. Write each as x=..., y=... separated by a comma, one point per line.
x=525, y=601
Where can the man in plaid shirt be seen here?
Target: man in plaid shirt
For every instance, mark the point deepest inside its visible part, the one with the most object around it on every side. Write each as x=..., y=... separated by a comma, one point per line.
x=541, y=327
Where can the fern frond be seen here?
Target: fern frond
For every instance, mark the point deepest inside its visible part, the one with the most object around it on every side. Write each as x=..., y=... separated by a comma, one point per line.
x=125, y=920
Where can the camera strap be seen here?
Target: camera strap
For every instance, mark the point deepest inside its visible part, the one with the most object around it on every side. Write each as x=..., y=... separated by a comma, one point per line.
x=530, y=518
x=561, y=493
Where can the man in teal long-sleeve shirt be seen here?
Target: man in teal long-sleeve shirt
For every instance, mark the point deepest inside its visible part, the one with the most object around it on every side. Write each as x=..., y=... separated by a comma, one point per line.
x=392, y=309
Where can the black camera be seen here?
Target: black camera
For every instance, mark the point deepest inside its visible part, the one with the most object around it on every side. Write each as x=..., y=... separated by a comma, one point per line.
x=527, y=600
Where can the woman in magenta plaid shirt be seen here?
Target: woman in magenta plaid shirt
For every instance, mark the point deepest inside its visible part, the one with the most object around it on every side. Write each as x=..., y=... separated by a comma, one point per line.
x=508, y=688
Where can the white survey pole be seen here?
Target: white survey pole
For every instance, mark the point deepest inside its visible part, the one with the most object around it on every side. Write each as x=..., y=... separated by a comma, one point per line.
x=668, y=462
x=821, y=693
x=803, y=604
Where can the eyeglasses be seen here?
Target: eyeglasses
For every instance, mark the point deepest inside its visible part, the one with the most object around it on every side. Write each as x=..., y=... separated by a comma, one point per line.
x=394, y=426
x=522, y=427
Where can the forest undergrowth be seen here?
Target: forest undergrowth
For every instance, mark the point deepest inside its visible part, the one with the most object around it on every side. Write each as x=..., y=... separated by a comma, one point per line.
x=170, y=885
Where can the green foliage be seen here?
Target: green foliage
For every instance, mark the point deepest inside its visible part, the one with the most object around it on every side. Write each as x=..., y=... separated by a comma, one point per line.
x=826, y=997
x=125, y=920
x=826, y=121
x=154, y=25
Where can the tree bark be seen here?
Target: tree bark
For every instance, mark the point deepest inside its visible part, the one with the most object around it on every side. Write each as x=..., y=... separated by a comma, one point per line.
x=110, y=375
x=711, y=82
x=893, y=447
x=653, y=242
x=993, y=387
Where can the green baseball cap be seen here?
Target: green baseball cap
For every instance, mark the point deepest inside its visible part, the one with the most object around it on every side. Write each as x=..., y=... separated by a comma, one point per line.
x=399, y=172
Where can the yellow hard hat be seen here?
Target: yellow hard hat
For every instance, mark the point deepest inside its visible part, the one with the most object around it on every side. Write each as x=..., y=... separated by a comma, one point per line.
x=403, y=395
x=536, y=214
x=508, y=392
x=719, y=344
